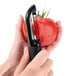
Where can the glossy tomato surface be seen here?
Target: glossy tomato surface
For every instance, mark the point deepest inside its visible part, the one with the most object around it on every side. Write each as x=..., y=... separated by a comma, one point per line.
x=47, y=30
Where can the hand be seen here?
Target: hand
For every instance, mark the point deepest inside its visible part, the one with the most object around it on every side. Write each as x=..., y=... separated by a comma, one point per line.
x=18, y=49
x=39, y=66
x=16, y=52
x=19, y=44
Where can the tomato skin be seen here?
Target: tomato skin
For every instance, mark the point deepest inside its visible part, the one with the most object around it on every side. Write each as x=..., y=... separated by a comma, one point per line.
x=47, y=30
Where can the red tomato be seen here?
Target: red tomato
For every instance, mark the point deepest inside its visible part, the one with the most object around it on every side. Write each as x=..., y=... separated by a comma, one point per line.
x=47, y=30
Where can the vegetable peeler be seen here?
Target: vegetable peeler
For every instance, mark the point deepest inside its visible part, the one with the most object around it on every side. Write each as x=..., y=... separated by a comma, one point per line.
x=34, y=45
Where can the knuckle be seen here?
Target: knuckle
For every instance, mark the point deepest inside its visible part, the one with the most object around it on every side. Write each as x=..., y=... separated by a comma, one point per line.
x=49, y=61
x=43, y=73
x=32, y=69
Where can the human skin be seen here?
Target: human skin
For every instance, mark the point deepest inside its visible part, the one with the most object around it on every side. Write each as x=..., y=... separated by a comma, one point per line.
x=18, y=52
x=39, y=66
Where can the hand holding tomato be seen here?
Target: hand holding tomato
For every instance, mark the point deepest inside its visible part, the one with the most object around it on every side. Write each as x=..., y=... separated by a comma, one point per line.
x=18, y=49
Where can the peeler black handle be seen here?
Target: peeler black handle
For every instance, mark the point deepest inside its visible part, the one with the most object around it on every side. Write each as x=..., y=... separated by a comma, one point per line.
x=34, y=45
x=33, y=51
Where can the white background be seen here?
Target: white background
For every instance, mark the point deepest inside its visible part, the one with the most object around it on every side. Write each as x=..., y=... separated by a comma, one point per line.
x=64, y=55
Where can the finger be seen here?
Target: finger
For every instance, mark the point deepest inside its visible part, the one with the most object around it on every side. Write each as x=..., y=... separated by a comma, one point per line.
x=39, y=60
x=47, y=65
x=59, y=27
x=19, y=23
x=19, y=35
x=58, y=23
x=24, y=61
x=50, y=73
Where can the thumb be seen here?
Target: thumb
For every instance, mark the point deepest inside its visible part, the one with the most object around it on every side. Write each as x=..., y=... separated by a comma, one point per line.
x=19, y=23
x=18, y=27
x=19, y=43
